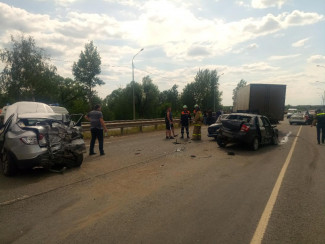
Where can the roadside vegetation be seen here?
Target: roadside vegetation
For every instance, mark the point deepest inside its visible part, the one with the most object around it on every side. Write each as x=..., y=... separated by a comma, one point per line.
x=29, y=75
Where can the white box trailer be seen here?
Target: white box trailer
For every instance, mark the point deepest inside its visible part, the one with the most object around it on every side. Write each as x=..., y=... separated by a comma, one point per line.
x=264, y=99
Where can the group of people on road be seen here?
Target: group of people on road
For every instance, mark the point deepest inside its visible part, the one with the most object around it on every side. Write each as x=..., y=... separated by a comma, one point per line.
x=98, y=126
x=185, y=120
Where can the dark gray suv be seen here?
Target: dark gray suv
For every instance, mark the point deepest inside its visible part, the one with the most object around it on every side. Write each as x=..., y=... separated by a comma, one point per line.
x=249, y=129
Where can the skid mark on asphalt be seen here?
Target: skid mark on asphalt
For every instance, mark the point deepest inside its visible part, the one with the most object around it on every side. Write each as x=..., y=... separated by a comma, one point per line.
x=264, y=220
x=286, y=138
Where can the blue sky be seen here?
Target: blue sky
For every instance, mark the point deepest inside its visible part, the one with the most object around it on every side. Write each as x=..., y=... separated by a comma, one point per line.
x=260, y=41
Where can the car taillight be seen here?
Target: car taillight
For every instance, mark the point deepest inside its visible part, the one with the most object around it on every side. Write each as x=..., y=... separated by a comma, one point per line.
x=29, y=140
x=41, y=139
x=33, y=140
x=244, y=128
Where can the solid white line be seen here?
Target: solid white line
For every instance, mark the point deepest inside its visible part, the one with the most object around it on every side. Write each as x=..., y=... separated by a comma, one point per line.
x=261, y=227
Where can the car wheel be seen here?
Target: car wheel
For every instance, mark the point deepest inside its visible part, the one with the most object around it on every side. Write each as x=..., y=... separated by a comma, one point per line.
x=9, y=167
x=290, y=123
x=78, y=159
x=275, y=140
x=255, y=144
x=221, y=142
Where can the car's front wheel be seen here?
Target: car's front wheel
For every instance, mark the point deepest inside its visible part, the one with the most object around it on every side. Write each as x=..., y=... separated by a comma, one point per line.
x=9, y=167
x=78, y=159
x=221, y=142
x=275, y=139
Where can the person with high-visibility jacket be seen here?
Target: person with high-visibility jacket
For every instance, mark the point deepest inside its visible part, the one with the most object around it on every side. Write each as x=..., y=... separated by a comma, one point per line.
x=319, y=121
x=197, y=122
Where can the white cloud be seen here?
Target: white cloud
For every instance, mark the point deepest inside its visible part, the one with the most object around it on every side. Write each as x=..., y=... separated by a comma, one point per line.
x=268, y=3
x=21, y=20
x=284, y=57
x=250, y=47
x=300, y=43
x=316, y=59
x=164, y=28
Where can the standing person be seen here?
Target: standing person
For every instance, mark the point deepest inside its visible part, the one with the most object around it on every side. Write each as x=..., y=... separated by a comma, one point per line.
x=96, y=126
x=169, y=124
x=198, y=119
x=319, y=121
x=185, y=117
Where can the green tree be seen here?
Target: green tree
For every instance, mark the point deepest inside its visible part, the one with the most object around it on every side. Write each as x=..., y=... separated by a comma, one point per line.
x=169, y=98
x=86, y=70
x=27, y=75
x=240, y=84
x=150, y=99
x=204, y=91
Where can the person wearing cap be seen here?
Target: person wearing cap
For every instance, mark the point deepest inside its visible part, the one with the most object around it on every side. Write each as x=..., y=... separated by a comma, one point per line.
x=319, y=121
x=185, y=117
x=198, y=119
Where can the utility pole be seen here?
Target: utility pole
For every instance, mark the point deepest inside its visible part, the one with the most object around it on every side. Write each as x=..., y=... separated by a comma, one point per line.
x=133, y=83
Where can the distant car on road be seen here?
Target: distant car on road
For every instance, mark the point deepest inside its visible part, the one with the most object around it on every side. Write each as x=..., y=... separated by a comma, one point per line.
x=291, y=111
x=300, y=118
x=249, y=129
x=33, y=135
x=213, y=129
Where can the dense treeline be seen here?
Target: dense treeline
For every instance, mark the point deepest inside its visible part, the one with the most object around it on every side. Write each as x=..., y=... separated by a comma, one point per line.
x=28, y=75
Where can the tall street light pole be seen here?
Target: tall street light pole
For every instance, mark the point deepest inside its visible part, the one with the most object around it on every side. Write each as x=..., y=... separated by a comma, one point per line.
x=214, y=97
x=134, y=82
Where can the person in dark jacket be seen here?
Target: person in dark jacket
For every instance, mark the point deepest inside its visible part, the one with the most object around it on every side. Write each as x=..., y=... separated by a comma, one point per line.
x=319, y=121
x=185, y=117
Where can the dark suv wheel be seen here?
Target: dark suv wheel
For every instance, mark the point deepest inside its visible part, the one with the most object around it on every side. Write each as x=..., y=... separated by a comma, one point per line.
x=9, y=167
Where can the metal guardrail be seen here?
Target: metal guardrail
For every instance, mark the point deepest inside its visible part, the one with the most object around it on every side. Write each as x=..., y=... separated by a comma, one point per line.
x=121, y=124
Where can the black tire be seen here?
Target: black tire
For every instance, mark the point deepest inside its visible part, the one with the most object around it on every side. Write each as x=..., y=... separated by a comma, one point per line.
x=78, y=159
x=255, y=144
x=221, y=142
x=8, y=163
x=290, y=123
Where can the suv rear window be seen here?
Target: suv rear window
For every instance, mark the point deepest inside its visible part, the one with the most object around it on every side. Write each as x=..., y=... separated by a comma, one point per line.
x=244, y=118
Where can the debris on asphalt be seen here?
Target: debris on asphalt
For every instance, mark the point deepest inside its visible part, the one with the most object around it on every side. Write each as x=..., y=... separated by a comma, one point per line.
x=180, y=149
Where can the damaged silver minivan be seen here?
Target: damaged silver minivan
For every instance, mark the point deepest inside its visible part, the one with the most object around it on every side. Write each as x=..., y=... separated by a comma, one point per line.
x=34, y=136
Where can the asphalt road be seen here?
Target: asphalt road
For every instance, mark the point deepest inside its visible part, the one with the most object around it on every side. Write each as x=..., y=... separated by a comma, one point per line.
x=146, y=189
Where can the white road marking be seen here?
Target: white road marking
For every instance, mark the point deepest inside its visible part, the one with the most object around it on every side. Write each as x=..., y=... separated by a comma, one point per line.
x=286, y=138
x=264, y=220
